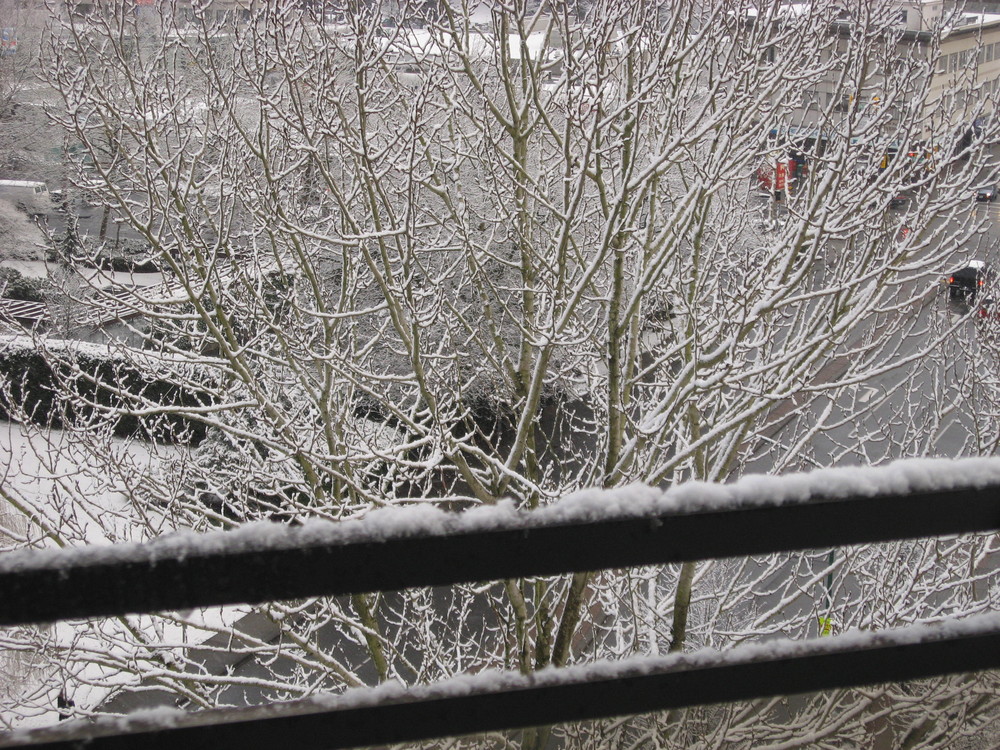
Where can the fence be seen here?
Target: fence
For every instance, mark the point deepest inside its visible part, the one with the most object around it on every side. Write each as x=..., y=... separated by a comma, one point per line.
x=424, y=547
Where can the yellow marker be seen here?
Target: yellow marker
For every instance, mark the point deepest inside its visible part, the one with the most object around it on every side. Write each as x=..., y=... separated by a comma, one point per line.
x=825, y=625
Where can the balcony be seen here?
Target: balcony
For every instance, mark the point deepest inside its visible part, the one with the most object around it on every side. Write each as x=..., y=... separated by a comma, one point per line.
x=398, y=549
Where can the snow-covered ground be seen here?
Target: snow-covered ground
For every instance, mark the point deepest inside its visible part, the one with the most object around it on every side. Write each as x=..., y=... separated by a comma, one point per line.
x=47, y=471
x=45, y=474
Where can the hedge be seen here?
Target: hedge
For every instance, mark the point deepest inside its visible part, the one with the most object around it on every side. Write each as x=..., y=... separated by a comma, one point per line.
x=32, y=390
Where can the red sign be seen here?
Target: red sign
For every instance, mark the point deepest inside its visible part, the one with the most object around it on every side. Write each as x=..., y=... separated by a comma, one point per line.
x=780, y=173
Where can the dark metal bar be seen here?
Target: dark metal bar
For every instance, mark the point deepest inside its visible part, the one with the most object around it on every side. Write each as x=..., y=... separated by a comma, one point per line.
x=293, y=564
x=675, y=683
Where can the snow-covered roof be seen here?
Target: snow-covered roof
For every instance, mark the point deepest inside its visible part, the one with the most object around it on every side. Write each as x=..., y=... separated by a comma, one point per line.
x=420, y=44
x=972, y=20
x=35, y=185
x=23, y=310
x=961, y=22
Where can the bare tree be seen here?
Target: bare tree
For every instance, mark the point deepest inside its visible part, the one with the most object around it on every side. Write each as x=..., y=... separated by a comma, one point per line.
x=511, y=254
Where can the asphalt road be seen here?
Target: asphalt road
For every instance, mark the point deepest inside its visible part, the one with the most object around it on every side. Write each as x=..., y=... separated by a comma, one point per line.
x=948, y=374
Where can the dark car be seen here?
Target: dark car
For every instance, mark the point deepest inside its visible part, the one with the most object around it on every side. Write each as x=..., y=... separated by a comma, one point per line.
x=966, y=282
x=898, y=201
x=988, y=193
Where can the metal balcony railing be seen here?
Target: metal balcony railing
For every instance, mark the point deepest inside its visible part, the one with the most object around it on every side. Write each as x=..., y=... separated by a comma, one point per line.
x=405, y=548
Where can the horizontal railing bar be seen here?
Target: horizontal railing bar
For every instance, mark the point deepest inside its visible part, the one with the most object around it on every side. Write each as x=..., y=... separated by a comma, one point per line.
x=502, y=702
x=280, y=562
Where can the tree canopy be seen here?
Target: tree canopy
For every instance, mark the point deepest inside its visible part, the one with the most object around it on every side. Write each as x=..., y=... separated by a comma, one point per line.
x=511, y=252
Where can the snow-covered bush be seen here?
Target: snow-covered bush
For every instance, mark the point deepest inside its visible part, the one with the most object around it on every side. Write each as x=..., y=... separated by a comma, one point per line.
x=62, y=385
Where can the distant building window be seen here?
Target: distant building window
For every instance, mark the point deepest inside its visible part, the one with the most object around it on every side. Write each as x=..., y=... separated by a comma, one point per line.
x=902, y=16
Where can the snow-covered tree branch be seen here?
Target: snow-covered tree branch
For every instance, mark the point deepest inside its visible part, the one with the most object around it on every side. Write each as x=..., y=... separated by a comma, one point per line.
x=515, y=251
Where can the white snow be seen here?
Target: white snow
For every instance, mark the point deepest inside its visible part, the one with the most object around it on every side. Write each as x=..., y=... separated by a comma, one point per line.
x=40, y=269
x=41, y=469
x=153, y=363
x=490, y=682
x=39, y=466
x=418, y=45
x=907, y=476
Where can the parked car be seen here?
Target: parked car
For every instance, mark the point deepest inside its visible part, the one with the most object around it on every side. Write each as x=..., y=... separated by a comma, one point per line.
x=967, y=281
x=988, y=193
x=898, y=201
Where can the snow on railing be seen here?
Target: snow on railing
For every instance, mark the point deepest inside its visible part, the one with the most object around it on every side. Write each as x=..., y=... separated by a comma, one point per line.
x=420, y=546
